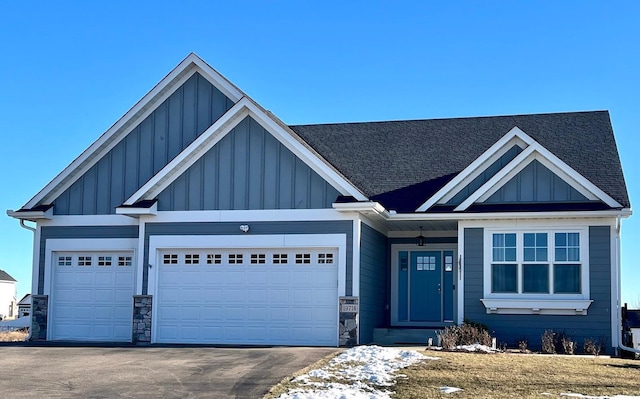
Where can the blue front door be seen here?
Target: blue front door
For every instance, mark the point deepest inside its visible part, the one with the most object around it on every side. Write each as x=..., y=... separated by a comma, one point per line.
x=426, y=286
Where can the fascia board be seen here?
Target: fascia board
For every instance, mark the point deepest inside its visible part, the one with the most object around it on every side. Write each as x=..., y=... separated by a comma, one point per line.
x=563, y=169
x=31, y=215
x=624, y=213
x=216, y=78
x=123, y=126
x=511, y=169
x=191, y=153
x=215, y=133
x=554, y=169
x=476, y=167
x=318, y=165
x=119, y=130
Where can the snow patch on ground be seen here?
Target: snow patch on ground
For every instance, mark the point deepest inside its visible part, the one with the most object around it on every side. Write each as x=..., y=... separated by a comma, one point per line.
x=365, y=370
x=450, y=389
x=578, y=395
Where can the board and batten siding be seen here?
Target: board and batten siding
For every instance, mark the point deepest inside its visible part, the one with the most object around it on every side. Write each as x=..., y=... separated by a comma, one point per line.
x=487, y=174
x=168, y=130
x=256, y=228
x=536, y=183
x=77, y=232
x=512, y=328
x=248, y=169
x=373, y=281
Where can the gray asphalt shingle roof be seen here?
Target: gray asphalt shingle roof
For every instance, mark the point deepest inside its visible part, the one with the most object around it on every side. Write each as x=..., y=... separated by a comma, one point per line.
x=380, y=157
x=4, y=276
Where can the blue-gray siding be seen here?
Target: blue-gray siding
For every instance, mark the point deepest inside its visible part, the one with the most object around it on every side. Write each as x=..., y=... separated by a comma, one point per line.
x=76, y=232
x=536, y=183
x=486, y=175
x=512, y=328
x=373, y=281
x=188, y=112
x=257, y=228
x=248, y=169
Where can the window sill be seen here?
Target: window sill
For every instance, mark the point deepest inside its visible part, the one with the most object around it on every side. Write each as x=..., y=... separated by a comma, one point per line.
x=566, y=307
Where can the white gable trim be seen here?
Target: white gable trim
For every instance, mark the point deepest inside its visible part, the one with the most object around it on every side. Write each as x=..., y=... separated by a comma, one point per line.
x=216, y=132
x=513, y=137
x=532, y=150
x=119, y=130
x=537, y=152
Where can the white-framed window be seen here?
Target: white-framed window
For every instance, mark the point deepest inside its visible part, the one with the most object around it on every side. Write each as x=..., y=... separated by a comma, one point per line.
x=258, y=259
x=104, y=260
x=214, y=259
x=533, y=262
x=280, y=259
x=536, y=269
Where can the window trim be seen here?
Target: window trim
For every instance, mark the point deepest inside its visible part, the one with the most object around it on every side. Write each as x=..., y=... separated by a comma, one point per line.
x=536, y=303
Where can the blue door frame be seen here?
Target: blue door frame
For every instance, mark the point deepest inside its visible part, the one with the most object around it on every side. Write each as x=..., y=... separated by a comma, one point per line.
x=424, y=283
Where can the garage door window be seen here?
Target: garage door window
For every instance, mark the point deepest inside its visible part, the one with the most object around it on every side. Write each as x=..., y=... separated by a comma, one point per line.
x=258, y=259
x=170, y=259
x=104, y=260
x=64, y=261
x=303, y=259
x=235, y=259
x=280, y=259
x=326, y=258
x=192, y=259
x=214, y=259
x=122, y=260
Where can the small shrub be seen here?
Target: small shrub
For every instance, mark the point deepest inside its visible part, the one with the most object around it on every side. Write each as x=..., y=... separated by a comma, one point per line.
x=568, y=345
x=549, y=341
x=523, y=345
x=592, y=346
x=449, y=337
x=465, y=334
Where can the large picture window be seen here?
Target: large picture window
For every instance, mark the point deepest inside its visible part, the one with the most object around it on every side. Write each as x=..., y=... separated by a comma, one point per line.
x=535, y=262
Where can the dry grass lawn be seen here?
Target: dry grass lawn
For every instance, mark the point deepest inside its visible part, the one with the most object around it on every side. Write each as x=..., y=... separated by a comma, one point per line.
x=518, y=376
x=13, y=336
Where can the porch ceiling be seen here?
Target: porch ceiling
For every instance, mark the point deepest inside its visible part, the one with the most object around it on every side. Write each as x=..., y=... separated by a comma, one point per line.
x=435, y=225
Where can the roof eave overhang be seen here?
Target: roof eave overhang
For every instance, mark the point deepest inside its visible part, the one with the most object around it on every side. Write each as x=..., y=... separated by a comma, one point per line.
x=137, y=211
x=377, y=209
x=31, y=215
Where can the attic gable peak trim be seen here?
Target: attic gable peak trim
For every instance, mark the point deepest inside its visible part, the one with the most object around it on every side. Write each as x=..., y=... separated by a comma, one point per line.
x=123, y=126
x=537, y=152
x=216, y=132
x=476, y=167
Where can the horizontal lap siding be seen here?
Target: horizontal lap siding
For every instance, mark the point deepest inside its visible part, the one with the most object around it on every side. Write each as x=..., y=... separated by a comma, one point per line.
x=512, y=328
x=248, y=169
x=170, y=128
x=257, y=228
x=373, y=281
x=77, y=232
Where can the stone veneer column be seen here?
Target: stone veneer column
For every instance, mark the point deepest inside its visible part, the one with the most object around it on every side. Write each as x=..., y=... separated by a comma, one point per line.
x=39, y=317
x=141, y=328
x=348, y=321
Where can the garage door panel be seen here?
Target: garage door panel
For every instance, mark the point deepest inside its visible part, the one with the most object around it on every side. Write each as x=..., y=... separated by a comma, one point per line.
x=234, y=296
x=213, y=313
x=190, y=313
x=279, y=301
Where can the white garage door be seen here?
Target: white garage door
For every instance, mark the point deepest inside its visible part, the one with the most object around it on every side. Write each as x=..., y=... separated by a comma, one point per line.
x=92, y=296
x=240, y=296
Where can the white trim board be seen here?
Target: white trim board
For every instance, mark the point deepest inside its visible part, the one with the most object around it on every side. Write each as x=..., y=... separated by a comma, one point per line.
x=223, y=126
x=532, y=151
x=123, y=126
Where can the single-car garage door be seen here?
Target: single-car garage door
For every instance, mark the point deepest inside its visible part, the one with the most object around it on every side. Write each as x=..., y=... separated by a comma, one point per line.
x=92, y=296
x=241, y=296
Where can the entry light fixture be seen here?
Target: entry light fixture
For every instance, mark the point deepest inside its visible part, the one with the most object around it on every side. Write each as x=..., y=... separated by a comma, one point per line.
x=420, y=239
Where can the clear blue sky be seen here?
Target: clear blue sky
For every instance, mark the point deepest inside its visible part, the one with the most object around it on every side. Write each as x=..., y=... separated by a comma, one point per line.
x=69, y=70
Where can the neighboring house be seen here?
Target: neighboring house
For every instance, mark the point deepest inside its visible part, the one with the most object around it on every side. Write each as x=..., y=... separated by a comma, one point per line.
x=8, y=294
x=631, y=326
x=227, y=226
x=24, y=306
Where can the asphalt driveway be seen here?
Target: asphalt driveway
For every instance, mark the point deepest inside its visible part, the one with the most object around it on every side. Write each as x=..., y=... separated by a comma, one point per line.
x=147, y=372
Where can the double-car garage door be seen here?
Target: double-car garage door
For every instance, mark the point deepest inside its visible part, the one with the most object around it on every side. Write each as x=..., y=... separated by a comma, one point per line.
x=247, y=296
x=269, y=296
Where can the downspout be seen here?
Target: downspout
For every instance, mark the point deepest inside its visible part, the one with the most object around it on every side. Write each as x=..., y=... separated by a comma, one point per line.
x=33, y=230
x=619, y=284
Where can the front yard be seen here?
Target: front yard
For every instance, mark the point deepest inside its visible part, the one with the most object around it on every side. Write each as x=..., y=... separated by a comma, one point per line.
x=369, y=372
